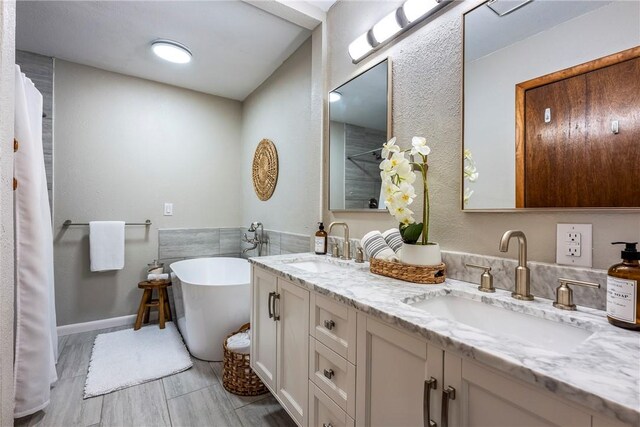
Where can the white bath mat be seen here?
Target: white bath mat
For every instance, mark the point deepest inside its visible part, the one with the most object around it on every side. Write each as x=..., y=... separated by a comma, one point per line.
x=126, y=358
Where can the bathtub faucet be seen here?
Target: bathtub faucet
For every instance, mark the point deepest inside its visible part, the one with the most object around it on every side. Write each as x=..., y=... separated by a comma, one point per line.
x=258, y=239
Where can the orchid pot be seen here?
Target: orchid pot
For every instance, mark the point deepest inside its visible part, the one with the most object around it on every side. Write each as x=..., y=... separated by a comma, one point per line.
x=425, y=255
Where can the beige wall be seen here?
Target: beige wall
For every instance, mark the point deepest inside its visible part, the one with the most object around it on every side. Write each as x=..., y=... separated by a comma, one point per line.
x=7, y=85
x=427, y=89
x=280, y=110
x=124, y=146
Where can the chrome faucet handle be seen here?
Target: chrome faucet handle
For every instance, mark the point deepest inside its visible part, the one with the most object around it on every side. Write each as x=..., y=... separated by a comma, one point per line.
x=346, y=250
x=359, y=255
x=486, y=279
x=335, y=250
x=564, y=294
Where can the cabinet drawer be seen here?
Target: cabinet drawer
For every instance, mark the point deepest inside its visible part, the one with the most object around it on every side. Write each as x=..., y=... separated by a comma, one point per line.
x=323, y=412
x=334, y=325
x=334, y=375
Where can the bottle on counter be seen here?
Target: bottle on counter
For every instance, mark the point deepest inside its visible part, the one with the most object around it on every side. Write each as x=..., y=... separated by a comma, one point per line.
x=623, y=298
x=321, y=240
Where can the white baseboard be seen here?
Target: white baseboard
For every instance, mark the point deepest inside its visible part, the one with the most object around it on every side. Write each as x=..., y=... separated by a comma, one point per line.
x=94, y=325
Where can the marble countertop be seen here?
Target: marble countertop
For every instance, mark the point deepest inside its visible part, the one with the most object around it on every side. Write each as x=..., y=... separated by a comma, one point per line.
x=602, y=373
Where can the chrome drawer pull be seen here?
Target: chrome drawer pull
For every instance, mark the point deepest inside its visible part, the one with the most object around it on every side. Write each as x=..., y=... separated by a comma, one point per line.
x=329, y=373
x=329, y=324
x=327, y=425
x=276, y=316
x=430, y=384
x=448, y=394
x=269, y=304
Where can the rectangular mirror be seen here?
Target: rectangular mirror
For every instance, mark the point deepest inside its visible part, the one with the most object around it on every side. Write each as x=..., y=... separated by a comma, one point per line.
x=360, y=122
x=551, y=105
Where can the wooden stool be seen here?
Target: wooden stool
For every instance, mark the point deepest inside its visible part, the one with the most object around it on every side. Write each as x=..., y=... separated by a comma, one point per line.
x=161, y=303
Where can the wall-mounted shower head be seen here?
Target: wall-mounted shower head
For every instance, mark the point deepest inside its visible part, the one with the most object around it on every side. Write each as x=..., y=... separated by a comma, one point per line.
x=254, y=226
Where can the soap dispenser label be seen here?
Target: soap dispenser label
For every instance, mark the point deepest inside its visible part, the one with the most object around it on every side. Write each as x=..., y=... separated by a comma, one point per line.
x=621, y=299
x=319, y=245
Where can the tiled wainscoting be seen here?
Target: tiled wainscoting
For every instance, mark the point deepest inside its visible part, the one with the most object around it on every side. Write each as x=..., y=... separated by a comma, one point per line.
x=175, y=244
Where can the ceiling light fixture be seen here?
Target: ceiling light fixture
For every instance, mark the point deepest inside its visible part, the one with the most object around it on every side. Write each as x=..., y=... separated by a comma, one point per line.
x=392, y=25
x=171, y=51
x=334, y=96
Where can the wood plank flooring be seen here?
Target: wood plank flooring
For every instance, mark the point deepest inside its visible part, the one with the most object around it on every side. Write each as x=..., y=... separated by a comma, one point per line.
x=192, y=398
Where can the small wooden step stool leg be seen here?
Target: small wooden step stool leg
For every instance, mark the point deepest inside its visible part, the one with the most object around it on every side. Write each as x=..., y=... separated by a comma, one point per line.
x=146, y=296
x=147, y=310
x=167, y=308
x=161, y=307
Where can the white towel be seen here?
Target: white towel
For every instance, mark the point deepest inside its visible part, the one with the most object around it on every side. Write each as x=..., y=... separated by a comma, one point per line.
x=106, y=245
x=375, y=246
x=239, y=343
x=158, y=276
x=393, y=238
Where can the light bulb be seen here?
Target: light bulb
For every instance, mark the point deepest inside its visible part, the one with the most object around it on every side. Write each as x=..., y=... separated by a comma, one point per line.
x=386, y=28
x=334, y=96
x=416, y=9
x=360, y=47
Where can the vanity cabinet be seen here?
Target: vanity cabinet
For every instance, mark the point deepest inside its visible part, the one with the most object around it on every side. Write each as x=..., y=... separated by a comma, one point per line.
x=280, y=339
x=263, y=327
x=329, y=364
x=391, y=374
x=402, y=380
x=484, y=397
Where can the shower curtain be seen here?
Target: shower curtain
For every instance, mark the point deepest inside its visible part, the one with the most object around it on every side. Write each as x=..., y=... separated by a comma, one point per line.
x=36, y=340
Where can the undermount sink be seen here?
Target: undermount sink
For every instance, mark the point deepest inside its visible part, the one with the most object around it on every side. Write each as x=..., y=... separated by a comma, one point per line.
x=316, y=266
x=543, y=333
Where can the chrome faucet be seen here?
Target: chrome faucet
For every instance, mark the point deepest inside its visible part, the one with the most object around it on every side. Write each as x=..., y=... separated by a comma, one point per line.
x=523, y=275
x=346, y=246
x=258, y=239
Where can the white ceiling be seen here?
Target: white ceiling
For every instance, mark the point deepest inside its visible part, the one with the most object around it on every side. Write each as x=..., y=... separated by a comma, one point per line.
x=486, y=32
x=235, y=46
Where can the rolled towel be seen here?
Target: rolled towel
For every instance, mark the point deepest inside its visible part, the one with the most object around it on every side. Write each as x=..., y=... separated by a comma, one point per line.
x=376, y=247
x=163, y=276
x=393, y=238
x=239, y=343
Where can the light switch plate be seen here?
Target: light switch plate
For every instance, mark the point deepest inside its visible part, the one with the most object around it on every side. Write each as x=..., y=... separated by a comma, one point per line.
x=574, y=245
x=168, y=209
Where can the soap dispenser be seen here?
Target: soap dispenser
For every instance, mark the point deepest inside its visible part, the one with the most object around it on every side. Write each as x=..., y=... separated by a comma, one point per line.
x=623, y=298
x=320, y=242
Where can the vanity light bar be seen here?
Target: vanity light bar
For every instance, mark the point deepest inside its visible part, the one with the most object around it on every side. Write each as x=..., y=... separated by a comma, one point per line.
x=411, y=13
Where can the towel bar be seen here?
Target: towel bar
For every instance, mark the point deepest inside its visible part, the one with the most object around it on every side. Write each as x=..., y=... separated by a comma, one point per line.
x=68, y=223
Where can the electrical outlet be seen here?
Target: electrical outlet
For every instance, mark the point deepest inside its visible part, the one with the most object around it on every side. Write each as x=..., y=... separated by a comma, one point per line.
x=574, y=245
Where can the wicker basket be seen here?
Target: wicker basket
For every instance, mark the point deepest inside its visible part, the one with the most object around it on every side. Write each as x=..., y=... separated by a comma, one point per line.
x=409, y=272
x=237, y=376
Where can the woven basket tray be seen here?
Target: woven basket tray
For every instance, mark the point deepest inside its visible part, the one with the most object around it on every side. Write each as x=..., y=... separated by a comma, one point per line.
x=237, y=376
x=409, y=272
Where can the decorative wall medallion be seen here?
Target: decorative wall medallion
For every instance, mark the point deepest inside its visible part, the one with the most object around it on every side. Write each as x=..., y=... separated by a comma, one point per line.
x=265, y=169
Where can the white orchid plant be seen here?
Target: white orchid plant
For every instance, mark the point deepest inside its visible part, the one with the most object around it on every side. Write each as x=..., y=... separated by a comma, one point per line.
x=398, y=176
x=470, y=174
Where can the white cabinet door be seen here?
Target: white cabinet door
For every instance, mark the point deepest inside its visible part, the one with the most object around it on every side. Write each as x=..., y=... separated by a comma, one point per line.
x=487, y=398
x=390, y=374
x=263, y=327
x=292, y=312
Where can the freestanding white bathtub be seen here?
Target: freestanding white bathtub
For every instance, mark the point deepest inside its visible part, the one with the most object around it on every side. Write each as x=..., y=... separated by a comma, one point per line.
x=211, y=300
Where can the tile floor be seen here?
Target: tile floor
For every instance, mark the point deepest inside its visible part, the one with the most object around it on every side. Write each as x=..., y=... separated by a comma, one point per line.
x=191, y=398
